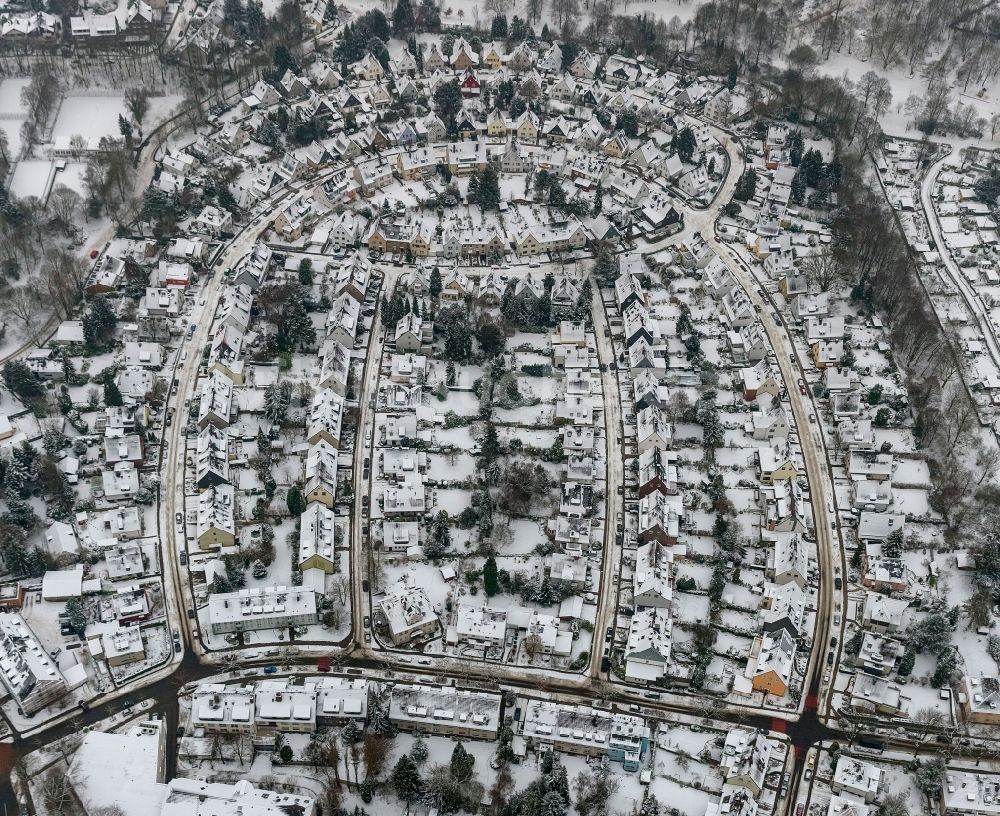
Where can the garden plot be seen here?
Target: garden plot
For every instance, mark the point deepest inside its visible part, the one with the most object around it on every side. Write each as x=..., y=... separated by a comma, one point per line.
x=694, y=608
x=459, y=438
x=453, y=466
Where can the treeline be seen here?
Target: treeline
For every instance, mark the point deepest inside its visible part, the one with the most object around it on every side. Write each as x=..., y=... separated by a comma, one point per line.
x=869, y=247
x=911, y=34
x=870, y=253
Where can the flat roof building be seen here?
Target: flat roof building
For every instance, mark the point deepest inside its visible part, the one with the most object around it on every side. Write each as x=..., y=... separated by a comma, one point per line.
x=261, y=608
x=30, y=676
x=194, y=797
x=585, y=731
x=445, y=711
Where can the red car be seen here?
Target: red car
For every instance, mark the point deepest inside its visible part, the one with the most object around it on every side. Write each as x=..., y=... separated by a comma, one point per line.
x=802, y=388
x=94, y=253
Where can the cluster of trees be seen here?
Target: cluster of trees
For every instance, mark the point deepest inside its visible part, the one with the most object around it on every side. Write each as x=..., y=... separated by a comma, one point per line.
x=34, y=270
x=684, y=144
x=236, y=565
x=935, y=114
x=534, y=590
x=988, y=186
x=263, y=463
x=713, y=432
x=366, y=35
x=549, y=190
x=18, y=477
x=519, y=485
x=526, y=310
x=99, y=323
x=889, y=33
x=22, y=381
x=39, y=98
x=60, y=498
x=286, y=306
x=932, y=635
x=108, y=181
x=484, y=189
x=409, y=19
x=517, y=31
x=277, y=399
x=455, y=327
x=605, y=266
x=448, y=103
x=746, y=186
x=812, y=172
x=449, y=787
x=247, y=21
x=438, y=542
x=689, y=336
x=986, y=576
x=547, y=795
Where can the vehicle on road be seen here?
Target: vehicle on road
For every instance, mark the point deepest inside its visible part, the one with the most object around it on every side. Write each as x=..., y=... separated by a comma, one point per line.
x=837, y=583
x=368, y=622
x=270, y=670
x=190, y=613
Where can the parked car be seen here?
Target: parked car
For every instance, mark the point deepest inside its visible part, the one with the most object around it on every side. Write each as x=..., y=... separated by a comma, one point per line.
x=270, y=670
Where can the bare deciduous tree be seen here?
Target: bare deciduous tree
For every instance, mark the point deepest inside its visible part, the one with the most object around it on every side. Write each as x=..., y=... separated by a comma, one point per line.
x=64, y=203
x=56, y=793
x=822, y=270
x=21, y=303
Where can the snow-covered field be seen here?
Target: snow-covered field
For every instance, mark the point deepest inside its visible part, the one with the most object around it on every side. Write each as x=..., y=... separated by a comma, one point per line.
x=31, y=178
x=92, y=117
